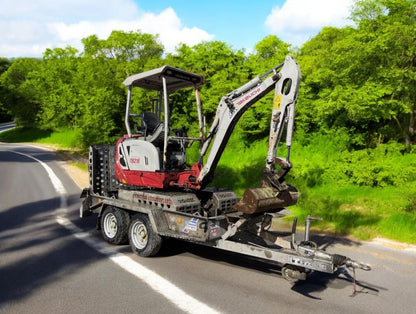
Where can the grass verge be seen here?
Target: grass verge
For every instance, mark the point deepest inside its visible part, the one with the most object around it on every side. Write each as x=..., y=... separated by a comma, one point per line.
x=366, y=194
x=68, y=139
x=65, y=142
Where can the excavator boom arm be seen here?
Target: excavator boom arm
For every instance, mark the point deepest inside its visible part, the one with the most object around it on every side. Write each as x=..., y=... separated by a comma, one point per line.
x=232, y=106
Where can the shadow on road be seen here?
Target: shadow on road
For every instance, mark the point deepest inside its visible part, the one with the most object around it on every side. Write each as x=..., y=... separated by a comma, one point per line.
x=342, y=278
x=12, y=156
x=36, y=251
x=316, y=282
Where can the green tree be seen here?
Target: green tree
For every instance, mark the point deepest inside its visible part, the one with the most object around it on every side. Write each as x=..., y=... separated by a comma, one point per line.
x=223, y=70
x=4, y=113
x=388, y=29
x=131, y=52
x=317, y=109
x=19, y=97
x=102, y=100
x=362, y=79
x=56, y=89
x=269, y=53
x=104, y=66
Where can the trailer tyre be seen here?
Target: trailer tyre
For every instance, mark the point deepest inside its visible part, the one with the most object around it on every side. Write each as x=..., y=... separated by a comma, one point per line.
x=293, y=273
x=143, y=240
x=114, y=225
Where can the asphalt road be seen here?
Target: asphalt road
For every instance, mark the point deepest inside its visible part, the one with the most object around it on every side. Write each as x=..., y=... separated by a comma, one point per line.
x=53, y=261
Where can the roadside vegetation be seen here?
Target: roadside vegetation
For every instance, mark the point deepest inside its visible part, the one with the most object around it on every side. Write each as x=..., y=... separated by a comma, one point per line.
x=354, y=152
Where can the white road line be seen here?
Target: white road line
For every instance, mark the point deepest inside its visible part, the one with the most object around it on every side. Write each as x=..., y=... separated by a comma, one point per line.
x=159, y=284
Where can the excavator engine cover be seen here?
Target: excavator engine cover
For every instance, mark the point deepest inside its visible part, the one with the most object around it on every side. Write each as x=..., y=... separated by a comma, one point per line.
x=263, y=199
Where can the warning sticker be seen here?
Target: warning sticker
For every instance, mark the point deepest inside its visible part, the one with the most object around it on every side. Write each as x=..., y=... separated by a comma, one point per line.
x=277, y=101
x=191, y=225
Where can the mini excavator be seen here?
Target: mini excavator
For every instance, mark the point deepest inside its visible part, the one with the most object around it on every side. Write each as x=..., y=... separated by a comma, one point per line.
x=144, y=191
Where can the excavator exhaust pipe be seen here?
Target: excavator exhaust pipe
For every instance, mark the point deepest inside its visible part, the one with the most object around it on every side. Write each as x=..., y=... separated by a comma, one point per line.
x=263, y=199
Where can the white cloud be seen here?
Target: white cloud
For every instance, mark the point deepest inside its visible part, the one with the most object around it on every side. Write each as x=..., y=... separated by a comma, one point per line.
x=171, y=31
x=298, y=20
x=28, y=27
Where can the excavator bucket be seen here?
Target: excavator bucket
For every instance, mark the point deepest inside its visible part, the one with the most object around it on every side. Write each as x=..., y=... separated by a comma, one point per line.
x=263, y=199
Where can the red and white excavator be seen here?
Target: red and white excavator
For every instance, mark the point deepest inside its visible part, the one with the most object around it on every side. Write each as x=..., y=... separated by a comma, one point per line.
x=143, y=191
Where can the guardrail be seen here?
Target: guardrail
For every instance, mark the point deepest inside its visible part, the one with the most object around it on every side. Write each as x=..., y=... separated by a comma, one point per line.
x=7, y=126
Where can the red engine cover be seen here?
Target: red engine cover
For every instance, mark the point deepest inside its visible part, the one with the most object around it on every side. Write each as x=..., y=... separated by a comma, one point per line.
x=157, y=179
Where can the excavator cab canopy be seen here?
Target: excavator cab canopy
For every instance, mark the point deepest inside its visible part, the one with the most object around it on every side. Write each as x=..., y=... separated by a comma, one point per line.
x=175, y=79
x=155, y=125
x=165, y=80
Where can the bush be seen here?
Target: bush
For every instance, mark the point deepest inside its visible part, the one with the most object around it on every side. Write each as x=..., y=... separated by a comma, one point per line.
x=325, y=160
x=391, y=164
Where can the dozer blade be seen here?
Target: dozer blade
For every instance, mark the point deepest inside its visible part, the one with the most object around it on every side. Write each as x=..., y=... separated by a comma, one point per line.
x=258, y=200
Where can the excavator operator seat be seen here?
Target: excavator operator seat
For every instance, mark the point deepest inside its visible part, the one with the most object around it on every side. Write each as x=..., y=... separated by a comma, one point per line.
x=150, y=122
x=152, y=129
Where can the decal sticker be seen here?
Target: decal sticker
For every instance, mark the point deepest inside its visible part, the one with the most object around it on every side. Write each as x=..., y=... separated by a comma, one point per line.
x=213, y=229
x=277, y=101
x=191, y=225
x=248, y=96
x=134, y=160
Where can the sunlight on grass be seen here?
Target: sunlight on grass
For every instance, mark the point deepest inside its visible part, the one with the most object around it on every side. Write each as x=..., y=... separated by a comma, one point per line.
x=61, y=138
x=80, y=165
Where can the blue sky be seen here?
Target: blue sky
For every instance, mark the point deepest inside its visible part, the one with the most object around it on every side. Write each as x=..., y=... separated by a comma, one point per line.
x=28, y=27
x=239, y=23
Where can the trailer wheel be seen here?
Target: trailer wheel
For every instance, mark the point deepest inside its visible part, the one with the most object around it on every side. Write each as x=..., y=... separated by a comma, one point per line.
x=114, y=225
x=293, y=273
x=143, y=240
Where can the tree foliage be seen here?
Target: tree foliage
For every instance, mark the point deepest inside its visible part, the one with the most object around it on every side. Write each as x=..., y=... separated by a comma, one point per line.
x=5, y=115
x=362, y=78
x=357, y=80
x=221, y=67
x=19, y=97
